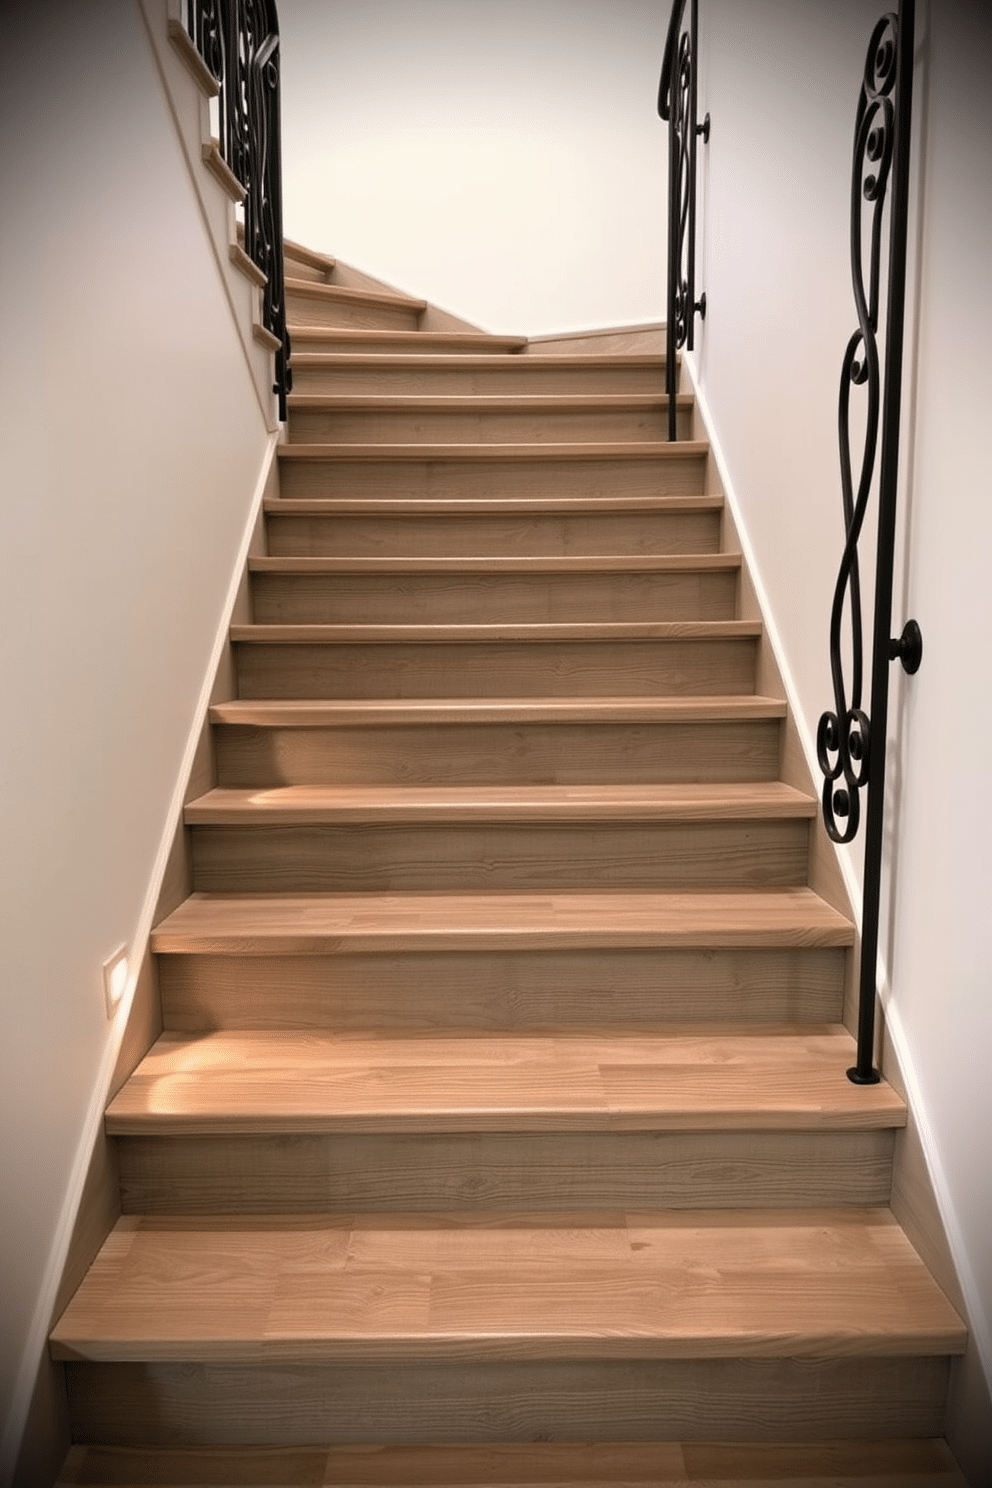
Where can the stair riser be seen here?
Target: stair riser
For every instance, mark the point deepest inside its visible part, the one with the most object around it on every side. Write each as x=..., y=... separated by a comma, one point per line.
x=491, y=598
x=296, y=268
x=428, y=536
x=461, y=1400
x=311, y=310
x=454, y=479
x=585, y=426
x=423, y=991
x=521, y=375
x=559, y=754
x=470, y=857
x=497, y=669
x=513, y=1172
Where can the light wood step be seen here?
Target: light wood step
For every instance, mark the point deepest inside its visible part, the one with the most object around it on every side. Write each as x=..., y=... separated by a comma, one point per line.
x=695, y=658
x=312, y=839
x=513, y=1171
x=411, y=374
x=471, y=471
x=327, y=590
x=696, y=1285
x=541, y=528
x=537, y=990
x=303, y=263
x=554, y=1400
x=312, y=303
x=328, y=340
x=251, y=1082
x=499, y=741
x=332, y=924
x=329, y=804
x=925, y=1463
x=318, y=418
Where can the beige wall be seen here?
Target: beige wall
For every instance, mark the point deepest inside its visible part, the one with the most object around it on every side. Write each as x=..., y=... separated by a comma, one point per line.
x=781, y=80
x=504, y=160
x=133, y=439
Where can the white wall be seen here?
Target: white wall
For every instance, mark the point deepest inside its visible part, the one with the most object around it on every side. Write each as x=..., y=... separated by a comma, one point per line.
x=133, y=438
x=781, y=81
x=503, y=160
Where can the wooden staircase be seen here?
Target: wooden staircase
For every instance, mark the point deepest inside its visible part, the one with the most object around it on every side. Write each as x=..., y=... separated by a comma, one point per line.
x=499, y=1131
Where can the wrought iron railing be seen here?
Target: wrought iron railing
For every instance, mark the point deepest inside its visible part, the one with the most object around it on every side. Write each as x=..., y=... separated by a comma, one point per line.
x=677, y=106
x=239, y=42
x=850, y=742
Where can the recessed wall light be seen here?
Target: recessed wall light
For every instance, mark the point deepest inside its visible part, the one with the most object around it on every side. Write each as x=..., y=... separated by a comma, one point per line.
x=115, y=979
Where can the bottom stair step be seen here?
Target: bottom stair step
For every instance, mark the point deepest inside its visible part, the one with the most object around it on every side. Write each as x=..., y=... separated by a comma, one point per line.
x=708, y=1285
x=881, y=1464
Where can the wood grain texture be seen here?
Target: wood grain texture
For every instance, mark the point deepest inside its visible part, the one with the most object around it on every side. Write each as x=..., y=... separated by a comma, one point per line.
x=457, y=1401
x=519, y=1171
x=310, y=304
x=352, y=663
x=247, y=1081
x=596, y=751
x=329, y=924
x=534, y=418
x=448, y=472
x=410, y=374
x=543, y=990
x=886, y=1464
x=495, y=528
x=691, y=1285
x=467, y=592
x=307, y=805
x=329, y=339
x=330, y=294
x=495, y=856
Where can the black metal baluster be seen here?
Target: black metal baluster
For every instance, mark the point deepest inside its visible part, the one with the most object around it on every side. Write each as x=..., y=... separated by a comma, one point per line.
x=239, y=41
x=851, y=743
x=677, y=104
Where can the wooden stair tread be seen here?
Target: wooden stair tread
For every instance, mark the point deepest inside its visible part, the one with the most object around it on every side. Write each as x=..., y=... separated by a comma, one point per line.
x=342, y=294
x=335, y=713
x=484, y=506
x=483, y=402
x=920, y=1463
x=412, y=360
x=424, y=341
x=595, y=1080
x=322, y=924
x=308, y=255
x=606, y=563
x=687, y=1285
x=295, y=805
x=623, y=630
x=644, y=449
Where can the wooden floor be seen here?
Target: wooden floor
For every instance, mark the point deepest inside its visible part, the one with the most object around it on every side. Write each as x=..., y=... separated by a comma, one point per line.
x=882, y=1464
x=501, y=1098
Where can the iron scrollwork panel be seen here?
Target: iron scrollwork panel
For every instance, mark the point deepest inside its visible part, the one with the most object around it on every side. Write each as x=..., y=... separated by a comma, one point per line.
x=239, y=41
x=844, y=736
x=677, y=105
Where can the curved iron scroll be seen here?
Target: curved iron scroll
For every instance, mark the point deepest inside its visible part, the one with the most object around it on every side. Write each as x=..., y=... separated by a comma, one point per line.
x=850, y=743
x=677, y=106
x=239, y=42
